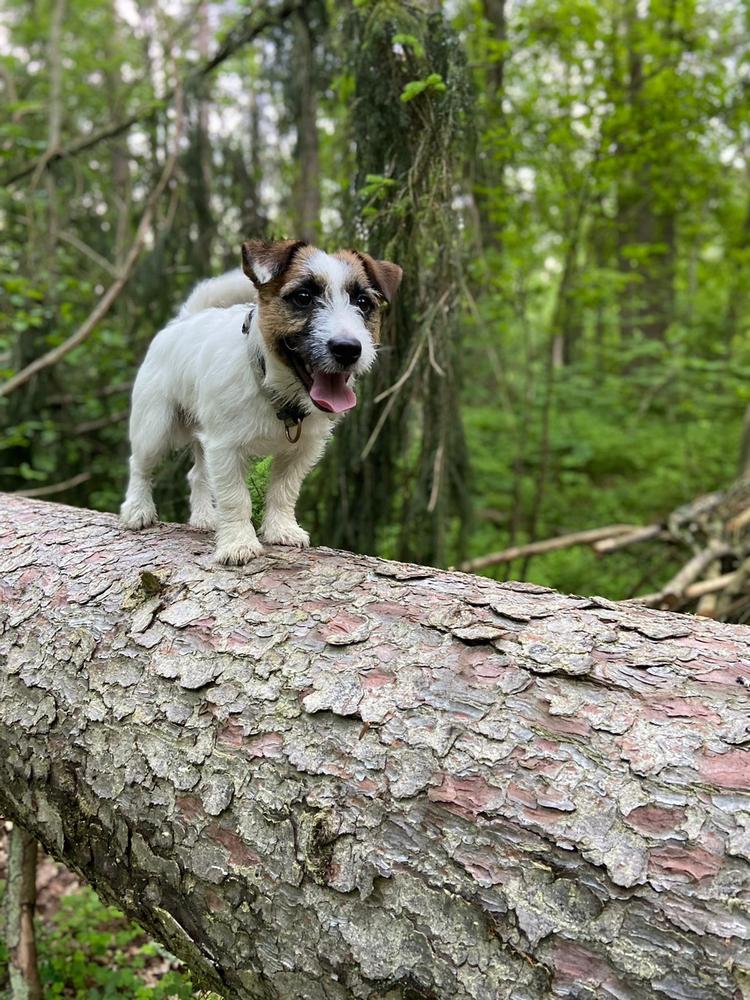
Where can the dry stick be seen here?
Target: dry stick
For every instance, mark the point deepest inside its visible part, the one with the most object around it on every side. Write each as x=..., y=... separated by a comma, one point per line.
x=66, y=399
x=691, y=593
x=679, y=590
x=736, y=587
x=394, y=390
x=740, y=521
x=393, y=393
x=548, y=545
x=20, y=901
x=708, y=603
x=437, y=468
x=110, y=296
x=88, y=252
x=672, y=592
x=620, y=542
x=87, y=426
x=248, y=28
x=48, y=491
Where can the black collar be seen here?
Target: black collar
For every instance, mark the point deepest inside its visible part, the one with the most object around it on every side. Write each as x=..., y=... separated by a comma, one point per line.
x=289, y=412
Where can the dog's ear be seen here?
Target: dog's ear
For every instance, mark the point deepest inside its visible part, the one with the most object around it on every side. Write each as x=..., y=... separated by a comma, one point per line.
x=385, y=276
x=264, y=260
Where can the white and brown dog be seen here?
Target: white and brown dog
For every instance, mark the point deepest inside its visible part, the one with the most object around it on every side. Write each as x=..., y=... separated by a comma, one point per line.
x=239, y=375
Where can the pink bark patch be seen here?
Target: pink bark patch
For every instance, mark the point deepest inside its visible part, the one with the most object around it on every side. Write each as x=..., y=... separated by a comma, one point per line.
x=61, y=598
x=655, y=820
x=567, y=725
x=471, y=796
x=543, y=816
x=391, y=609
x=577, y=965
x=343, y=627
x=267, y=745
x=261, y=603
x=29, y=576
x=376, y=679
x=231, y=733
x=239, y=853
x=190, y=806
x=725, y=676
x=695, y=862
x=516, y=793
x=727, y=770
x=214, y=903
x=368, y=786
x=680, y=708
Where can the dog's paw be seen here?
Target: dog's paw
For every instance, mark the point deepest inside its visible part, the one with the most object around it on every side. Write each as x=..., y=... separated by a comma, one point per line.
x=203, y=520
x=237, y=548
x=285, y=533
x=137, y=515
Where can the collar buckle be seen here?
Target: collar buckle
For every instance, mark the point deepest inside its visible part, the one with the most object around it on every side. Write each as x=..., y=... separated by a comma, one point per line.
x=293, y=436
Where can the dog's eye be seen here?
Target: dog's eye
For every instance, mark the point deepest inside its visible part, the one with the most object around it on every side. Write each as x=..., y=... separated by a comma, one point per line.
x=364, y=303
x=301, y=298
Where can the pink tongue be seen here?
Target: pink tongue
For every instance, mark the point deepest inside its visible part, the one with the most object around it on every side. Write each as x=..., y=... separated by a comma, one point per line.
x=331, y=393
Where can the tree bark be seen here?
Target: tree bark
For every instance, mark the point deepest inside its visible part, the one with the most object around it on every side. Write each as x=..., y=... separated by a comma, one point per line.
x=330, y=776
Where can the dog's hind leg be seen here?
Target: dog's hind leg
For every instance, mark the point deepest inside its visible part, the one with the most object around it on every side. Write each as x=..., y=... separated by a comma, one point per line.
x=150, y=438
x=202, y=513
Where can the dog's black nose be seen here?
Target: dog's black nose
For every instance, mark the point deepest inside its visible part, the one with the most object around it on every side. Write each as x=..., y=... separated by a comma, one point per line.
x=345, y=350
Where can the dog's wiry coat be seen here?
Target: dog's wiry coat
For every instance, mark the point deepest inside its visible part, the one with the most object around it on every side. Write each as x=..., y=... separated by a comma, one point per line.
x=314, y=328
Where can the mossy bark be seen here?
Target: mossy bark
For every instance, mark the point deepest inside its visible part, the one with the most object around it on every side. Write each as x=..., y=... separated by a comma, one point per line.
x=330, y=776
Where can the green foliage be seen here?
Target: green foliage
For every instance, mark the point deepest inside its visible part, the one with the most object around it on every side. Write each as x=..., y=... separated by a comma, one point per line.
x=257, y=482
x=409, y=42
x=434, y=82
x=92, y=952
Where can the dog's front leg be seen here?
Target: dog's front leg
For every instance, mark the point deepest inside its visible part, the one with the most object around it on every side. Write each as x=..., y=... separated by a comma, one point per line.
x=288, y=470
x=236, y=541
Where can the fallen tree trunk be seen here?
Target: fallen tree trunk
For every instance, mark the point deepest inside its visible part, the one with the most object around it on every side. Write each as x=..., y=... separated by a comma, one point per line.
x=331, y=776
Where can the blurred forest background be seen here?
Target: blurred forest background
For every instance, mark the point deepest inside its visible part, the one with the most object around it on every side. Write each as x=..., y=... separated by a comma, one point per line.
x=565, y=182
x=567, y=186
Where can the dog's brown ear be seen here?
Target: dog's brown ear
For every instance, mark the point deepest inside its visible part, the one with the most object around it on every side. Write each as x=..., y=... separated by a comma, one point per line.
x=385, y=276
x=264, y=260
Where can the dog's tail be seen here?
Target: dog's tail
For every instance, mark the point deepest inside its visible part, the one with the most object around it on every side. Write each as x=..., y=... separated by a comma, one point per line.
x=230, y=289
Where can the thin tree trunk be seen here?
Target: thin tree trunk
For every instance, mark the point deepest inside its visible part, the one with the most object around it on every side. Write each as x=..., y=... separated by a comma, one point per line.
x=20, y=902
x=331, y=776
x=307, y=184
x=743, y=471
x=493, y=208
x=648, y=304
x=54, y=125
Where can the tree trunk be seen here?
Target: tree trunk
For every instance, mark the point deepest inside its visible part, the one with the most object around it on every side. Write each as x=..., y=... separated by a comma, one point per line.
x=20, y=902
x=307, y=158
x=331, y=776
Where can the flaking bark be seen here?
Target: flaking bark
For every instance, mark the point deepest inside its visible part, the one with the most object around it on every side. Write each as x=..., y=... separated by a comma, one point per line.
x=330, y=776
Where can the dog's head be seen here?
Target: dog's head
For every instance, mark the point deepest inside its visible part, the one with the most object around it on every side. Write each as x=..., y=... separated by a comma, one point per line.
x=319, y=316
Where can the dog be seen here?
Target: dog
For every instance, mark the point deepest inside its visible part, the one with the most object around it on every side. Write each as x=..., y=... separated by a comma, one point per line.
x=250, y=368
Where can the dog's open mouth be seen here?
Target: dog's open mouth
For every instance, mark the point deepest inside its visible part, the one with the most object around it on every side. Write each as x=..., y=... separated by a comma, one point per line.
x=329, y=391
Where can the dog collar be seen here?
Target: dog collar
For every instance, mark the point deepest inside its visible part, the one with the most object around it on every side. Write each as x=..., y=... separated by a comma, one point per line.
x=291, y=414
